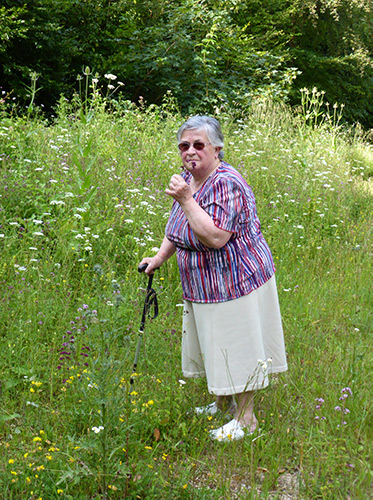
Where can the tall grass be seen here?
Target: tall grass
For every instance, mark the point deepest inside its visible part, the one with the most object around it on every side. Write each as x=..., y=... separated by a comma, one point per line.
x=81, y=202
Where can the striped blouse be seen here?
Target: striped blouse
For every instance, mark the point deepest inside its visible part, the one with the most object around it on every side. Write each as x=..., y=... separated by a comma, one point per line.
x=241, y=265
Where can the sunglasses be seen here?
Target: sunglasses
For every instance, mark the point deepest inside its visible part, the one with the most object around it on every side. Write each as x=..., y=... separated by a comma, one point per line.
x=198, y=145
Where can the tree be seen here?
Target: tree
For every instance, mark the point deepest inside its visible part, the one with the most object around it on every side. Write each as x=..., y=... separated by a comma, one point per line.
x=212, y=54
x=333, y=50
x=55, y=39
x=196, y=50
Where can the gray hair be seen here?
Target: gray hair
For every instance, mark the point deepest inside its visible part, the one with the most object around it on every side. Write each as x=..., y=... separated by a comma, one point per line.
x=209, y=125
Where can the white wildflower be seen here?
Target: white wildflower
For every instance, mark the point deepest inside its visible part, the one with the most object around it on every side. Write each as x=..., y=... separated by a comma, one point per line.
x=96, y=430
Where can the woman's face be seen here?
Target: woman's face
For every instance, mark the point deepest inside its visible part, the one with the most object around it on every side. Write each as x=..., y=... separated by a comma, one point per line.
x=198, y=162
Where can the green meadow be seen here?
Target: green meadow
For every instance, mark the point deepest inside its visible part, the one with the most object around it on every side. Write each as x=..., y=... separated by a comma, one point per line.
x=81, y=203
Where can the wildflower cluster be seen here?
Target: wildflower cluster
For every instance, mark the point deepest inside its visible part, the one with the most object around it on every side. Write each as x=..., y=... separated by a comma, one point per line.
x=31, y=468
x=74, y=353
x=86, y=240
x=342, y=408
x=320, y=402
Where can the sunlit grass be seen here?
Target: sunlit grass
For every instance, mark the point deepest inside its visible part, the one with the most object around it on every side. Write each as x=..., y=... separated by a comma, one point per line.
x=81, y=202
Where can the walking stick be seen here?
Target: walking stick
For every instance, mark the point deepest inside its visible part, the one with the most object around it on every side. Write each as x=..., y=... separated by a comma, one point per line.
x=150, y=300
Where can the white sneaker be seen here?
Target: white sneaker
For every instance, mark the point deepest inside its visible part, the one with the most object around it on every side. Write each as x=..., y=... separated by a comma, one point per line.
x=211, y=409
x=232, y=431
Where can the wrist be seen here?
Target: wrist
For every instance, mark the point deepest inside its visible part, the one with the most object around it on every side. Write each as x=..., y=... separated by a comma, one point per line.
x=160, y=259
x=187, y=202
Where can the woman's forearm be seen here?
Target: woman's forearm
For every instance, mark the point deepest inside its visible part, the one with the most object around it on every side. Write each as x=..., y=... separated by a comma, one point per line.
x=166, y=250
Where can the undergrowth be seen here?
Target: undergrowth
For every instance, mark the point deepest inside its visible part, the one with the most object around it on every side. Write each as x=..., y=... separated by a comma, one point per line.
x=81, y=202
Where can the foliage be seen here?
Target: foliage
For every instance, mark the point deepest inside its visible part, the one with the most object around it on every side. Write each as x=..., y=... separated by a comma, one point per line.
x=57, y=39
x=81, y=202
x=329, y=42
x=211, y=54
x=201, y=49
x=334, y=53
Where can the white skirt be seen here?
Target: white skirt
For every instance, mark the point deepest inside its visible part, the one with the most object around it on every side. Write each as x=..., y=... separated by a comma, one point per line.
x=236, y=343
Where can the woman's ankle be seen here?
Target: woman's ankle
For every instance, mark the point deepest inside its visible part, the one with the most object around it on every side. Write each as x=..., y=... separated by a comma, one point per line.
x=247, y=420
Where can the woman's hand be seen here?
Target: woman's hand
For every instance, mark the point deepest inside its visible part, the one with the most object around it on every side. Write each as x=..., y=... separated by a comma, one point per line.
x=152, y=264
x=200, y=221
x=179, y=189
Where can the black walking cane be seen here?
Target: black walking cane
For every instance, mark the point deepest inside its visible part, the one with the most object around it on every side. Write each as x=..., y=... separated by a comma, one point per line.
x=150, y=300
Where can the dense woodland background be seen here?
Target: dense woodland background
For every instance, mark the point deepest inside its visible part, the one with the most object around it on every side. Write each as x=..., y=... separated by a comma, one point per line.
x=211, y=54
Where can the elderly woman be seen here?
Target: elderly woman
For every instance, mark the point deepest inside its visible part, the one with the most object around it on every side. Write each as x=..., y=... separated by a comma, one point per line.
x=232, y=331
